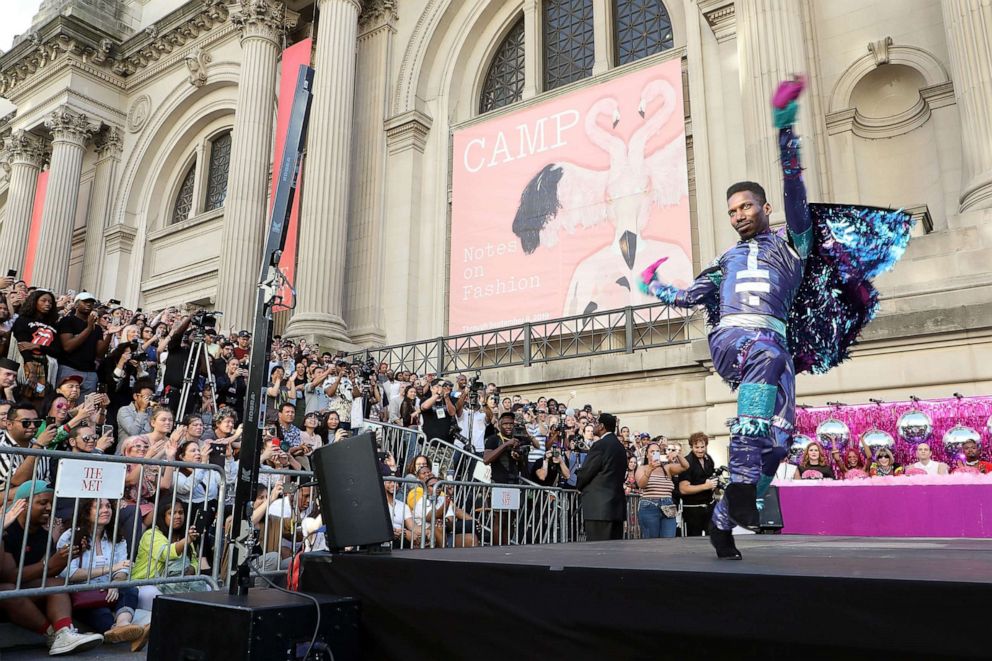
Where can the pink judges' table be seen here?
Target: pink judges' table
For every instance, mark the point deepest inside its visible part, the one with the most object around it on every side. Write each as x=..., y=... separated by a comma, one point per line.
x=958, y=505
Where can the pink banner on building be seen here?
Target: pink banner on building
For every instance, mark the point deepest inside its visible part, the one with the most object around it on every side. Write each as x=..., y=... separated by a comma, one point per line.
x=35, y=231
x=557, y=208
x=292, y=58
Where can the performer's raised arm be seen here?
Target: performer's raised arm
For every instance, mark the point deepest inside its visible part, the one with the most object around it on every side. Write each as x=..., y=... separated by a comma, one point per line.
x=785, y=108
x=704, y=290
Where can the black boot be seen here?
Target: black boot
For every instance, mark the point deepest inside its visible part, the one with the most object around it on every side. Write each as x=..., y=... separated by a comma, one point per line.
x=723, y=542
x=742, y=505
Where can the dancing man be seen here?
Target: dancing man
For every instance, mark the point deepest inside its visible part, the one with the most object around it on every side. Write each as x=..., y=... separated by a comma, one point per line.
x=778, y=303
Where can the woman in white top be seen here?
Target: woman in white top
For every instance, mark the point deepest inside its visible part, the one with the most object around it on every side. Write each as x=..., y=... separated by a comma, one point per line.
x=925, y=463
x=102, y=560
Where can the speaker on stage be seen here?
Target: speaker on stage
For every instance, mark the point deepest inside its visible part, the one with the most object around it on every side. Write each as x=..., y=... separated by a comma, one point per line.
x=352, y=500
x=770, y=519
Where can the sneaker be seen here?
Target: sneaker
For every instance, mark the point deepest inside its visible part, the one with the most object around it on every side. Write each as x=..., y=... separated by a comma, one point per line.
x=49, y=637
x=68, y=640
x=123, y=633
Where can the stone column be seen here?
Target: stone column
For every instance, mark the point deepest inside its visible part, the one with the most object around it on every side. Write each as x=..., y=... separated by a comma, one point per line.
x=246, y=208
x=364, y=278
x=70, y=131
x=25, y=154
x=968, y=26
x=109, y=146
x=772, y=47
x=324, y=210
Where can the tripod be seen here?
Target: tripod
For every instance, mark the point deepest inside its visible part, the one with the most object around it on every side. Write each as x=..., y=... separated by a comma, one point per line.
x=197, y=352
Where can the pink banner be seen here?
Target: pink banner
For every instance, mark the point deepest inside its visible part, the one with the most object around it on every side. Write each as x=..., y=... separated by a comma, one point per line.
x=557, y=208
x=35, y=231
x=292, y=58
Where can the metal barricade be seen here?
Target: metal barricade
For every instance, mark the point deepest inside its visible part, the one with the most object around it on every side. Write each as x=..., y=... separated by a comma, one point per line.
x=632, y=525
x=404, y=443
x=124, y=550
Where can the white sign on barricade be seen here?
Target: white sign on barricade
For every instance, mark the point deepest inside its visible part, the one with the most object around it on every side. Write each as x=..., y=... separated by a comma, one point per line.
x=505, y=498
x=79, y=478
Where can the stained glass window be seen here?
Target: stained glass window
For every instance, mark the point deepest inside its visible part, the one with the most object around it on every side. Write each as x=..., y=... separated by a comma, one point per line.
x=568, y=41
x=184, y=198
x=505, y=79
x=641, y=28
x=220, y=165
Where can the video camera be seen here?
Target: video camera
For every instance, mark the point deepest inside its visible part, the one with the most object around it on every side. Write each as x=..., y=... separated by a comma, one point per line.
x=204, y=319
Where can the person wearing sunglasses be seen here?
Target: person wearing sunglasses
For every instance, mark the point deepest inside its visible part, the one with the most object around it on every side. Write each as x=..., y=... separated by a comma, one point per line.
x=15, y=469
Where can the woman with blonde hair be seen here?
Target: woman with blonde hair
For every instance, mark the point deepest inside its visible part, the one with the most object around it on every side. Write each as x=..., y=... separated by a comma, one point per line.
x=813, y=465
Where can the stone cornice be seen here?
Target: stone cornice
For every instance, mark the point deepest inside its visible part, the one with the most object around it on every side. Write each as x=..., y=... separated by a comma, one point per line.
x=68, y=41
x=264, y=19
x=721, y=16
x=24, y=147
x=407, y=131
x=67, y=125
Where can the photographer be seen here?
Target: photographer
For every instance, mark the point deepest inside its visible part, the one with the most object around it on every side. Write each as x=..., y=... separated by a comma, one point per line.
x=656, y=512
x=119, y=372
x=506, y=451
x=553, y=468
x=438, y=410
x=175, y=365
x=232, y=385
x=341, y=393
x=83, y=342
x=696, y=486
x=474, y=418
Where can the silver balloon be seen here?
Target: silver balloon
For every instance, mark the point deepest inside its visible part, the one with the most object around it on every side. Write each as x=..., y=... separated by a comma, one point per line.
x=988, y=426
x=876, y=439
x=957, y=436
x=915, y=427
x=799, y=444
x=833, y=435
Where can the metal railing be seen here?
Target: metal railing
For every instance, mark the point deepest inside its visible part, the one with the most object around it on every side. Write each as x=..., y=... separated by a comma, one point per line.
x=76, y=566
x=624, y=330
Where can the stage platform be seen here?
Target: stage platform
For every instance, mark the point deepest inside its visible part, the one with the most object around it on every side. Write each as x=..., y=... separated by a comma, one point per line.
x=792, y=597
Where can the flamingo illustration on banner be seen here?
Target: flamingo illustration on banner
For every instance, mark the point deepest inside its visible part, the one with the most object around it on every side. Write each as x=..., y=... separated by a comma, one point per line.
x=564, y=196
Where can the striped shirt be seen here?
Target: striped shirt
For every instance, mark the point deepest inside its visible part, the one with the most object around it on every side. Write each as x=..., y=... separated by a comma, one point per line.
x=659, y=485
x=9, y=463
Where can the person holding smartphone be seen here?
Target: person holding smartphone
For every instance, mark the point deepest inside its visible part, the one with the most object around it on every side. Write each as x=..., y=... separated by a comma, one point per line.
x=656, y=512
x=552, y=468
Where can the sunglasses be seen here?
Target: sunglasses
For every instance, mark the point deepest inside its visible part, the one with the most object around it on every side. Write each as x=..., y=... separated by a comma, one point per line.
x=89, y=438
x=29, y=422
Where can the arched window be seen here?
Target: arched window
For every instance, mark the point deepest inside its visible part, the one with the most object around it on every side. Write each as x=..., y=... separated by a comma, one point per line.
x=568, y=41
x=184, y=198
x=640, y=28
x=505, y=79
x=220, y=165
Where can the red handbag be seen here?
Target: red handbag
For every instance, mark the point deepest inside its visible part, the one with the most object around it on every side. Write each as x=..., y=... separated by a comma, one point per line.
x=89, y=599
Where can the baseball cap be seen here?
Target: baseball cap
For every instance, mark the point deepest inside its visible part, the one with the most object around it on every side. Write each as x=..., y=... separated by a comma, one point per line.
x=84, y=296
x=24, y=491
x=71, y=377
x=244, y=333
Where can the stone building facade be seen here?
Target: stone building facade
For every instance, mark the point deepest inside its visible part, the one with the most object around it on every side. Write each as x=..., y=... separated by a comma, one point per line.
x=154, y=121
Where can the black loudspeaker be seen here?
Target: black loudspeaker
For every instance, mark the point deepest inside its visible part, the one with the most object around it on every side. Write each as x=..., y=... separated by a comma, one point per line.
x=266, y=625
x=770, y=520
x=352, y=500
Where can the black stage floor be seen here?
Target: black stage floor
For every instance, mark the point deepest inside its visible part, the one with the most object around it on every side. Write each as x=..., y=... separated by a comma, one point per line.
x=791, y=597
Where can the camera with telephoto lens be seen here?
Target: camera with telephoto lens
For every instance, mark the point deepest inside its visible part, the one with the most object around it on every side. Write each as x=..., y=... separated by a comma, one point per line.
x=135, y=354
x=722, y=477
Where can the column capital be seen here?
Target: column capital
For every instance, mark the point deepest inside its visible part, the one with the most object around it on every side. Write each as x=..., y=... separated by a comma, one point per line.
x=68, y=125
x=110, y=142
x=264, y=19
x=24, y=147
x=376, y=12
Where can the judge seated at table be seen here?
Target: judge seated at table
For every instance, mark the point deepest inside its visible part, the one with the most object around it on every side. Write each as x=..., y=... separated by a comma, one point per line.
x=814, y=464
x=925, y=464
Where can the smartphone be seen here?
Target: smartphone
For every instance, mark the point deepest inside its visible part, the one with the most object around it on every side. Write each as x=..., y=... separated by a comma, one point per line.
x=11, y=273
x=106, y=430
x=656, y=456
x=101, y=388
x=195, y=523
x=49, y=421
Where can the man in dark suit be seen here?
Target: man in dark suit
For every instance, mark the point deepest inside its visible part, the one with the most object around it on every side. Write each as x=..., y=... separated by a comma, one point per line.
x=604, y=505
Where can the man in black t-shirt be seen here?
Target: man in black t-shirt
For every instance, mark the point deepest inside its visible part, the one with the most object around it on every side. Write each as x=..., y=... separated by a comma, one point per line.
x=438, y=410
x=696, y=486
x=83, y=342
x=506, y=455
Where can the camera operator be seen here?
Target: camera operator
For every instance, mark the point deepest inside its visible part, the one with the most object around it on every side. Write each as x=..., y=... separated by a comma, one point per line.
x=506, y=451
x=367, y=404
x=554, y=467
x=473, y=420
x=175, y=366
x=438, y=410
x=696, y=485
